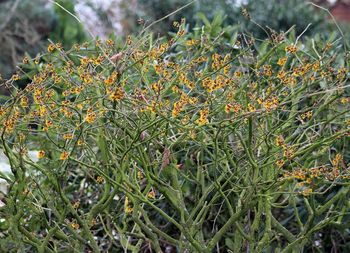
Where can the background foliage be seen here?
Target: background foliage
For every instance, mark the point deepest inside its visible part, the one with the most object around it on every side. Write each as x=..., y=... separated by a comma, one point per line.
x=275, y=14
x=27, y=27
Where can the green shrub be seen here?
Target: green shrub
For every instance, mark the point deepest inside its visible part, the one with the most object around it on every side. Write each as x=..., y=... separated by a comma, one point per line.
x=183, y=145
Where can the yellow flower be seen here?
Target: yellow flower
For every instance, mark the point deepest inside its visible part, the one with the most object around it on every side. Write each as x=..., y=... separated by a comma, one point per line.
x=251, y=108
x=288, y=152
x=203, y=117
x=51, y=48
x=117, y=94
x=41, y=154
x=109, y=81
x=25, y=60
x=48, y=124
x=128, y=40
x=316, y=66
x=74, y=225
x=110, y=43
x=291, y=49
x=306, y=192
x=139, y=175
x=192, y=42
x=344, y=100
x=90, y=117
x=68, y=136
x=76, y=204
x=270, y=104
x=185, y=119
x=100, y=180
x=306, y=115
x=16, y=77
x=178, y=107
x=84, y=61
x=87, y=79
x=176, y=24
x=42, y=110
x=24, y=101
x=151, y=194
x=127, y=208
x=282, y=61
x=64, y=155
x=337, y=160
x=267, y=70
x=228, y=108
x=280, y=163
x=279, y=141
x=238, y=74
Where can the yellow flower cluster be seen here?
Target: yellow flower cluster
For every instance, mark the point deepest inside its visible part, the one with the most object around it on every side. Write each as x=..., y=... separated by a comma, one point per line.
x=233, y=107
x=111, y=79
x=291, y=49
x=90, y=116
x=203, y=117
x=116, y=94
x=127, y=206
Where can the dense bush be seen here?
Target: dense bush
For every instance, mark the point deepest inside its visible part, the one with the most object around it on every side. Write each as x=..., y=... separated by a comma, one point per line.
x=190, y=144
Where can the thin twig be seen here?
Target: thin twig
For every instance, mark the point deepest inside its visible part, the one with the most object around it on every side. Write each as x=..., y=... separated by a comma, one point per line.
x=302, y=33
x=70, y=13
x=334, y=20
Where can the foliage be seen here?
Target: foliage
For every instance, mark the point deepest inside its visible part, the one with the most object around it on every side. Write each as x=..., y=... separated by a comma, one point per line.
x=190, y=144
x=22, y=30
x=269, y=14
x=67, y=29
x=282, y=15
x=27, y=24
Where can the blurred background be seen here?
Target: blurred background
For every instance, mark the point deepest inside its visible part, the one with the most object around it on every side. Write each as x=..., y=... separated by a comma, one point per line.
x=26, y=26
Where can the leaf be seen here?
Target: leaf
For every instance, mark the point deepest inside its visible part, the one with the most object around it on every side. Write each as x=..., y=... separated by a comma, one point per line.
x=229, y=244
x=70, y=32
x=204, y=19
